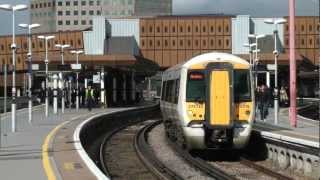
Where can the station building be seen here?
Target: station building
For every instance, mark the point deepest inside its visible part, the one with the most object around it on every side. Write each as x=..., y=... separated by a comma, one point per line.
x=127, y=50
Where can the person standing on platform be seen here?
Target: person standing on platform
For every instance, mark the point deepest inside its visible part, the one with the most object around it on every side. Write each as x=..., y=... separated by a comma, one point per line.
x=283, y=97
x=89, y=97
x=264, y=101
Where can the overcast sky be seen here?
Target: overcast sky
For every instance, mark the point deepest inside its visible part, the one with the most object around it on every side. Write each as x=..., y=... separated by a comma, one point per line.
x=257, y=8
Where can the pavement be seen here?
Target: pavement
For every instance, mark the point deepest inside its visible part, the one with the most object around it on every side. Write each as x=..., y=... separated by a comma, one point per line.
x=21, y=153
x=306, y=129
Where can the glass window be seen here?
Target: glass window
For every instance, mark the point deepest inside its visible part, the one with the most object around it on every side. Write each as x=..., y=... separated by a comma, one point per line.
x=75, y=13
x=98, y=3
x=98, y=12
x=67, y=22
x=91, y=12
x=196, y=86
x=60, y=13
x=60, y=3
x=68, y=13
x=90, y=22
x=91, y=3
x=83, y=3
x=75, y=22
x=60, y=22
x=241, y=85
x=75, y=3
x=67, y=3
x=83, y=12
x=83, y=22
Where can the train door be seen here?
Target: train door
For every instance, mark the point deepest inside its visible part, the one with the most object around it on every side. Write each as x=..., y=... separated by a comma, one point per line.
x=219, y=95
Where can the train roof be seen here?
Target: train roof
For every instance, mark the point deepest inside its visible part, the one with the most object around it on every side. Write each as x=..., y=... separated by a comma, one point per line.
x=210, y=57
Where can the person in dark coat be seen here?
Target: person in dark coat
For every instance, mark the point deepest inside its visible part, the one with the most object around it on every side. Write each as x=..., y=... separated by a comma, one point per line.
x=264, y=101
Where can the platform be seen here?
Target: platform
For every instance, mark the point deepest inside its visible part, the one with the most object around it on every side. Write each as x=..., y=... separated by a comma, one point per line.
x=306, y=132
x=28, y=153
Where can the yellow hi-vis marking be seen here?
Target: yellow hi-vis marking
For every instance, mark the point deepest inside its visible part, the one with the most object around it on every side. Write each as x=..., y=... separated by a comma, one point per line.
x=45, y=153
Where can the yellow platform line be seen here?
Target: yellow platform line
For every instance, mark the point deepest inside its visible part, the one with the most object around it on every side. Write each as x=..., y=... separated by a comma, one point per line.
x=45, y=153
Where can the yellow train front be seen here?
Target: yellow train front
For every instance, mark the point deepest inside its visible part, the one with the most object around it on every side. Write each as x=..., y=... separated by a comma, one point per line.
x=207, y=102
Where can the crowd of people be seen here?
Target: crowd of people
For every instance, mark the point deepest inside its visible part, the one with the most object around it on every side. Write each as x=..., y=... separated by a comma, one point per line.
x=264, y=99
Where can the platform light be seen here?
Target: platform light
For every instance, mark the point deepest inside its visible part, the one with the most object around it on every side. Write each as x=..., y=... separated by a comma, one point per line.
x=13, y=9
x=275, y=22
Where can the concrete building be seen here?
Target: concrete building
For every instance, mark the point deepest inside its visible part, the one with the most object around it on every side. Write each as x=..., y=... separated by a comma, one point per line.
x=68, y=15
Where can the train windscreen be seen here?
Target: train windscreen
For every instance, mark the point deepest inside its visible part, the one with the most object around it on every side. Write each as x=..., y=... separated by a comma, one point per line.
x=241, y=85
x=196, y=87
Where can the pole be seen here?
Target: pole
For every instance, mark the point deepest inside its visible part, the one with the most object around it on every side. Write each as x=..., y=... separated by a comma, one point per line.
x=13, y=104
x=30, y=75
x=102, y=87
x=293, y=105
x=276, y=91
x=5, y=87
x=55, y=93
x=62, y=83
x=46, y=62
x=77, y=88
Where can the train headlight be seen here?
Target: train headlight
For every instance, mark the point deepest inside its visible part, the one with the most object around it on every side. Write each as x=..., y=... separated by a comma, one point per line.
x=195, y=124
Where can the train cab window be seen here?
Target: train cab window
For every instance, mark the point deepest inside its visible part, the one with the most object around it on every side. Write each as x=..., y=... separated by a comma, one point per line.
x=241, y=86
x=196, y=87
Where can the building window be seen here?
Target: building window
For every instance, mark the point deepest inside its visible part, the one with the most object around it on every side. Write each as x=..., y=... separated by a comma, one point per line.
x=142, y=43
x=25, y=46
x=219, y=29
x=60, y=13
x=158, y=29
x=83, y=13
x=227, y=28
x=227, y=43
x=33, y=45
x=60, y=23
x=91, y=12
x=98, y=3
x=68, y=13
x=98, y=12
x=40, y=5
x=181, y=42
x=71, y=41
x=2, y=47
x=75, y=3
x=150, y=43
x=165, y=43
x=75, y=22
x=83, y=3
x=197, y=43
x=83, y=22
x=44, y=5
x=79, y=42
x=67, y=3
x=67, y=22
x=212, y=29
x=90, y=22
x=150, y=29
x=36, y=6
x=310, y=27
x=158, y=43
x=189, y=29
x=165, y=29
x=302, y=41
x=173, y=29
x=219, y=42
x=173, y=43
x=32, y=6
x=49, y=4
x=204, y=29
x=75, y=13
x=189, y=43
x=40, y=44
x=204, y=42
x=91, y=3
x=197, y=29
x=142, y=29
x=181, y=29
x=60, y=3
x=302, y=28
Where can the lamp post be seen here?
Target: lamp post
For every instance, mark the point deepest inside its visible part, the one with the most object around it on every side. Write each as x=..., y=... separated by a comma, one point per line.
x=275, y=22
x=250, y=46
x=13, y=9
x=77, y=73
x=255, y=51
x=29, y=27
x=61, y=84
x=46, y=61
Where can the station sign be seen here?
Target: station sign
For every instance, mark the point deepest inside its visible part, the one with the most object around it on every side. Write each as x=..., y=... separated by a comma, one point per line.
x=35, y=67
x=76, y=67
x=96, y=79
x=271, y=67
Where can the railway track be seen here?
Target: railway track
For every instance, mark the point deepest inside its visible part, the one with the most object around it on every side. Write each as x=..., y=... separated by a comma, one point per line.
x=241, y=168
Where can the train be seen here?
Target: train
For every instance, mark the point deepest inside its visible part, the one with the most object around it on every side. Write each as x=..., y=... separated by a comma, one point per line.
x=208, y=102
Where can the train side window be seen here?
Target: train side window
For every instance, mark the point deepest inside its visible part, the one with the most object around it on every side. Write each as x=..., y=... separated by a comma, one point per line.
x=176, y=94
x=163, y=90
